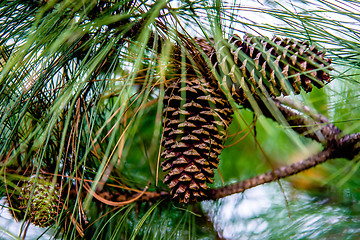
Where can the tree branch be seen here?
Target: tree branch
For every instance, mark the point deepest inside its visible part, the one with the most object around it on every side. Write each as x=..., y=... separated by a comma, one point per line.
x=319, y=130
x=279, y=173
x=346, y=147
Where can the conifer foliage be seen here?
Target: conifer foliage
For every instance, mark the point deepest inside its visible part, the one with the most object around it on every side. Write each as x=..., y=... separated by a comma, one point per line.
x=82, y=80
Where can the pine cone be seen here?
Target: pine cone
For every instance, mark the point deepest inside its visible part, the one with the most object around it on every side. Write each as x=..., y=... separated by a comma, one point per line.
x=45, y=201
x=261, y=67
x=196, y=117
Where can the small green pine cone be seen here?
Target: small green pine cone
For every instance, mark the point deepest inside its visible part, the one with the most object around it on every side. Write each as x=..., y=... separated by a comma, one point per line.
x=45, y=204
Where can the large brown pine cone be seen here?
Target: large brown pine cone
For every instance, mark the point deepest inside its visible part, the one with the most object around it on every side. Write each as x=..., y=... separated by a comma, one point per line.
x=196, y=118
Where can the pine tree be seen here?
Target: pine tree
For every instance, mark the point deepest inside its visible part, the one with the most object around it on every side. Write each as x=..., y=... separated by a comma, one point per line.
x=97, y=97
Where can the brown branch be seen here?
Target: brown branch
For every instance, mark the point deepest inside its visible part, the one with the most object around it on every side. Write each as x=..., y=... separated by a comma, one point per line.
x=303, y=108
x=272, y=175
x=320, y=130
x=346, y=147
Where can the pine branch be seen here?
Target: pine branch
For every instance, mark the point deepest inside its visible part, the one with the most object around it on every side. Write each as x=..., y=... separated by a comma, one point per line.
x=278, y=173
x=319, y=130
x=346, y=147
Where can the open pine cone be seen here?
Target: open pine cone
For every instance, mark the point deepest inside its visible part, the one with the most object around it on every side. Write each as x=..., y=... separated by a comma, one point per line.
x=196, y=118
